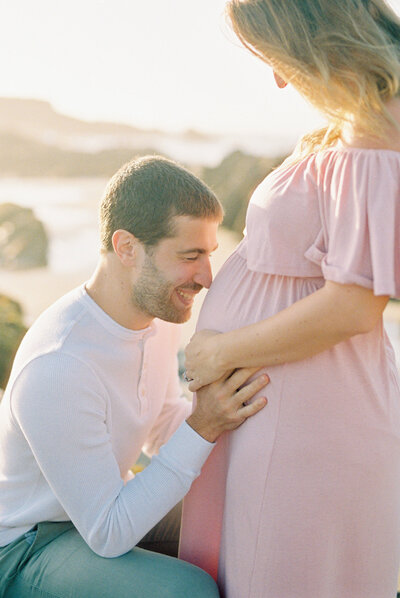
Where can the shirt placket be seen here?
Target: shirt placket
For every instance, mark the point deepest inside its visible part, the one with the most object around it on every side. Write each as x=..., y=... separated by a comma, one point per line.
x=142, y=388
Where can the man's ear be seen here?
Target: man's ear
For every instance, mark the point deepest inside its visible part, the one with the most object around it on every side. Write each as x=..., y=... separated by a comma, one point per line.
x=281, y=83
x=125, y=247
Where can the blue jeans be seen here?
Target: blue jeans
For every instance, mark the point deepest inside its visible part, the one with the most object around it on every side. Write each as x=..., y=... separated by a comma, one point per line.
x=53, y=561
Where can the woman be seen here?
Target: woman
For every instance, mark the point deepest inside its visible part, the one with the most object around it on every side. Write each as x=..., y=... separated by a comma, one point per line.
x=303, y=501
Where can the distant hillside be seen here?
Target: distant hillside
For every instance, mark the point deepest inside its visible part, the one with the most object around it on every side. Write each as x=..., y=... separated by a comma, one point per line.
x=24, y=157
x=36, y=141
x=36, y=119
x=34, y=116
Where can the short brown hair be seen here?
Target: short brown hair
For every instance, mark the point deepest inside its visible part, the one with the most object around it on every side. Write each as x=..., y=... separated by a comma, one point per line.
x=146, y=193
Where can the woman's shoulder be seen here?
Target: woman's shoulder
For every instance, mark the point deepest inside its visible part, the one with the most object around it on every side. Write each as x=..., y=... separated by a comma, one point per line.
x=359, y=154
x=360, y=159
x=356, y=162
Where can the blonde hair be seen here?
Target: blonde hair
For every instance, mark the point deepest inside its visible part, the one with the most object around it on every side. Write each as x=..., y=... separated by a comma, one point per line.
x=342, y=56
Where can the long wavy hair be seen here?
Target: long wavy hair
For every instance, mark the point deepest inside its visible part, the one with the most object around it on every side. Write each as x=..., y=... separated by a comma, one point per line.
x=343, y=56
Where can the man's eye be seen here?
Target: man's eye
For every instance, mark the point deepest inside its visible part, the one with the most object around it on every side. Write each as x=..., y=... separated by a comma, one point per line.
x=191, y=259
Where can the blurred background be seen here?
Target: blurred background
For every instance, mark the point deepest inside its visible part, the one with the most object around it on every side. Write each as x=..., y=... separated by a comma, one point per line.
x=85, y=87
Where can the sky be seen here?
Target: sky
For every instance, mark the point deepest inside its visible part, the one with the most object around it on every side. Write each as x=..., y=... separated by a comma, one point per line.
x=163, y=64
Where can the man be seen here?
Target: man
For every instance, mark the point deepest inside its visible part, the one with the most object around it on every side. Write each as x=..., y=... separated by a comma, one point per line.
x=95, y=382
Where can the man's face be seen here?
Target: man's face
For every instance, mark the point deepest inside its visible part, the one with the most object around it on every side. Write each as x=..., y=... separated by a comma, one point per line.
x=176, y=270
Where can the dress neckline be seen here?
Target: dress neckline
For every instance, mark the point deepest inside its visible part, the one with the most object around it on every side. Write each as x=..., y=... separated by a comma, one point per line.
x=348, y=148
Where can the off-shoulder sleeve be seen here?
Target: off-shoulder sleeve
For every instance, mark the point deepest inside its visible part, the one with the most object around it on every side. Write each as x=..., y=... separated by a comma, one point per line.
x=361, y=208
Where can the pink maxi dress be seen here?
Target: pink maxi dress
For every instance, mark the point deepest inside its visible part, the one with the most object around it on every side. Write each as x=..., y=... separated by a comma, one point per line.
x=303, y=500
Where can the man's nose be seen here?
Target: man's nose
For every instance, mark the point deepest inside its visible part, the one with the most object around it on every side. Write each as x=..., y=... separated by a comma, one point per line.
x=203, y=275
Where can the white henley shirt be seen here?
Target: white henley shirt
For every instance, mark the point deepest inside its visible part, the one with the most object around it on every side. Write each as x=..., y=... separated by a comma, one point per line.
x=85, y=396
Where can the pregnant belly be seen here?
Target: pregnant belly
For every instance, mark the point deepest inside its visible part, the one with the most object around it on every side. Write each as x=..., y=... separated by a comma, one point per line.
x=349, y=388
x=239, y=296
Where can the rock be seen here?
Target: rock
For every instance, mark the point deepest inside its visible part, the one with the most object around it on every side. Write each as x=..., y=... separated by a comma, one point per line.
x=12, y=330
x=23, y=238
x=234, y=180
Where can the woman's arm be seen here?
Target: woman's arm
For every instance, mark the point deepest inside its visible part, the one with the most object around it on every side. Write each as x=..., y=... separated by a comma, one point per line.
x=330, y=315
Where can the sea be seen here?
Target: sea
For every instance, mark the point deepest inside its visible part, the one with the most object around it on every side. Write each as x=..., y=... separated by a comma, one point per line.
x=68, y=208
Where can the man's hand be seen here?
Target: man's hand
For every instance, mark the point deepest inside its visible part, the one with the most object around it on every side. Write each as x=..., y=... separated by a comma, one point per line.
x=222, y=405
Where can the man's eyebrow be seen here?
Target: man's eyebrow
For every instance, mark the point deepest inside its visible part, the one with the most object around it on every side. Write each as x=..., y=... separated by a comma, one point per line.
x=196, y=250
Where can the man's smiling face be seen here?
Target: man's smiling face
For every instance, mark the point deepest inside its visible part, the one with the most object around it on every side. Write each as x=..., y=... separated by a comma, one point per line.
x=176, y=270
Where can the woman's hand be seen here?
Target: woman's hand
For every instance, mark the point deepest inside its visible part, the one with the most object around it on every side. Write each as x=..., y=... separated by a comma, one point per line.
x=223, y=405
x=203, y=359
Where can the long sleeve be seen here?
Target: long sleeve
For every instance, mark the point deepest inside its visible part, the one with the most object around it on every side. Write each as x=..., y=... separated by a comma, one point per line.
x=176, y=409
x=60, y=405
